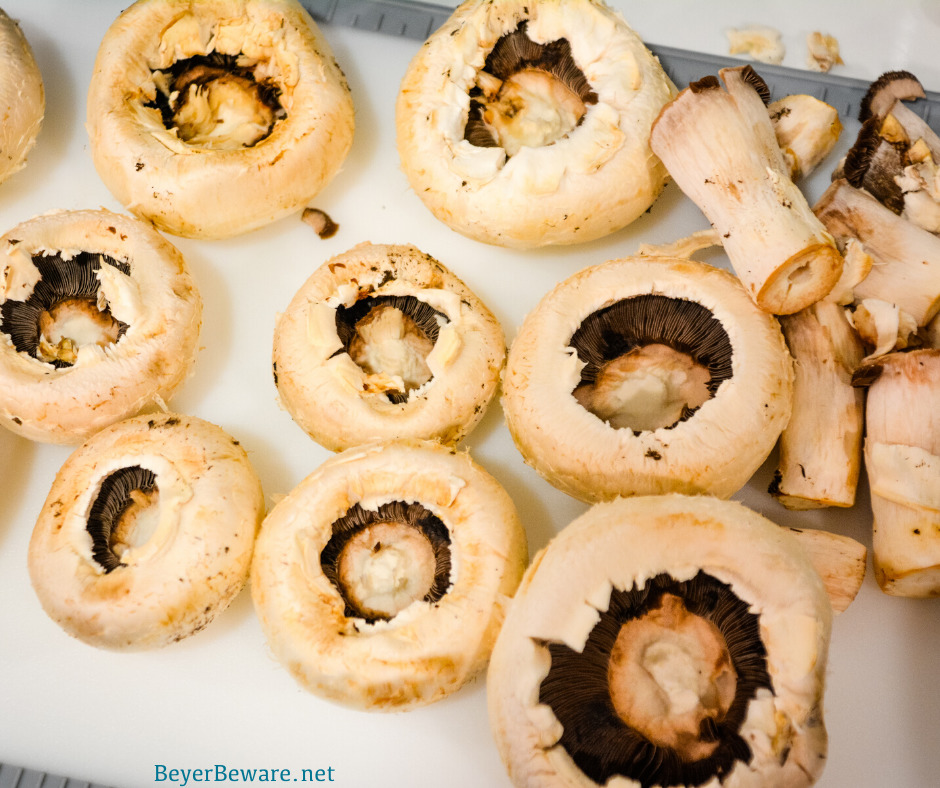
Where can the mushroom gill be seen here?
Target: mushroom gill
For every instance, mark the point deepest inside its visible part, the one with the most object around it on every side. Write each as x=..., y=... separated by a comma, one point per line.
x=382, y=560
x=662, y=686
x=215, y=101
x=650, y=361
x=116, y=520
x=65, y=310
x=527, y=94
x=391, y=337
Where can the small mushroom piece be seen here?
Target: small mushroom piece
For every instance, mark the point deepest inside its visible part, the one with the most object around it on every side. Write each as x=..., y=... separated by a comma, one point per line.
x=902, y=458
x=884, y=93
x=760, y=42
x=215, y=118
x=647, y=375
x=147, y=532
x=839, y=560
x=664, y=640
x=822, y=52
x=99, y=320
x=721, y=149
x=22, y=98
x=383, y=342
x=807, y=130
x=382, y=579
x=821, y=446
x=525, y=123
x=906, y=258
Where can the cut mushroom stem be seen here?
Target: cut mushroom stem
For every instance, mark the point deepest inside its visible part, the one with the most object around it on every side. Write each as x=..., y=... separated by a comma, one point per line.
x=839, y=560
x=820, y=449
x=902, y=457
x=721, y=149
x=906, y=258
x=807, y=130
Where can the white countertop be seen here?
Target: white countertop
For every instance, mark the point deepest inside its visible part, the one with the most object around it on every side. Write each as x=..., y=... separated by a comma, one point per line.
x=220, y=697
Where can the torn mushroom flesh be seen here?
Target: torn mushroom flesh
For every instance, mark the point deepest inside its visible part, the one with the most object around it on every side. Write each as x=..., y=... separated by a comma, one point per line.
x=661, y=688
x=65, y=311
x=650, y=361
x=390, y=338
x=382, y=560
x=527, y=94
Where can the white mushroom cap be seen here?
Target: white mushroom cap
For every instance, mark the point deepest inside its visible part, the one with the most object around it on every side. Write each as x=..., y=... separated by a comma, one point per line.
x=593, y=181
x=22, y=98
x=199, y=191
x=627, y=542
x=340, y=404
x=157, y=300
x=425, y=651
x=207, y=511
x=716, y=450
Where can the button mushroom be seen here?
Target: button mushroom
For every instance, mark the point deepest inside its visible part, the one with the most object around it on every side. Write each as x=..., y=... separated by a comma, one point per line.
x=99, y=319
x=382, y=579
x=147, y=532
x=382, y=342
x=664, y=640
x=22, y=98
x=525, y=123
x=647, y=375
x=216, y=118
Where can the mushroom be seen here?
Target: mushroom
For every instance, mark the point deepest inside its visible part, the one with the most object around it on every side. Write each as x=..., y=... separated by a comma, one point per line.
x=806, y=129
x=215, y=118
x=822, y=51
x=22, y=98
x=664, y=640
x=760, y=42
x=820, y=448
x=721, y=149
x=525, y=123
x=147, y=532
x=647, y=375
x=382, y=579
x=382, y=342
x=906, y=259
x=99, y=319
x=895, y=155
x=902, y=458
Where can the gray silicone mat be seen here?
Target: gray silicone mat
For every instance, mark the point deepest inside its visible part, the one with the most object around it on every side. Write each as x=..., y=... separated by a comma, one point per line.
x=16, y=777
x=417, y=20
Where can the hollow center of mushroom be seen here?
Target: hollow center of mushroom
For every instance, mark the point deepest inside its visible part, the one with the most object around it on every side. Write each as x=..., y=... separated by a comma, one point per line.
x=381, y=561
x=385, y=567
x=662, y=685
x=390, y=338
x=650, y=361
x=214, y=101
x=527, y=94
x=72, y=323
x=124, y=514
x=671, y=676
x=646, y=388
x=65, y=310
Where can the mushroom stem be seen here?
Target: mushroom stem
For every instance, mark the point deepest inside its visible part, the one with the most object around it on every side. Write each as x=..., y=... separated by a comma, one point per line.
x=820, y=449
x=906, y=269
x=839, y=561
x=902, y=456
x=720, y=147
x=807, y=130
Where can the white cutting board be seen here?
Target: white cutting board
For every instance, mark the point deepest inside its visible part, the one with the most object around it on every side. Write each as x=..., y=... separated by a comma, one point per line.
x=220, y=697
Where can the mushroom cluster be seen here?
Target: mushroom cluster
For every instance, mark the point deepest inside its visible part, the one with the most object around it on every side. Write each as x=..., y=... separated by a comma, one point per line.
x=667, y=637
